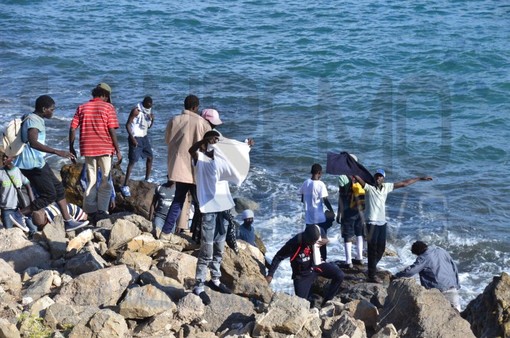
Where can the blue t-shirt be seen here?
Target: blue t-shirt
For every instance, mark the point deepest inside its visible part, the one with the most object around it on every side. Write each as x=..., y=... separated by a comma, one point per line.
x=31, y=158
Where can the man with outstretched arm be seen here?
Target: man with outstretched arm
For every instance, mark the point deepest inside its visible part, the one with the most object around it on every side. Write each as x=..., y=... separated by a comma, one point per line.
x=375, y=215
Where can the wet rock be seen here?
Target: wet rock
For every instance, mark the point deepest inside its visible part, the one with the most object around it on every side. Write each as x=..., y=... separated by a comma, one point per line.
x=489, y=312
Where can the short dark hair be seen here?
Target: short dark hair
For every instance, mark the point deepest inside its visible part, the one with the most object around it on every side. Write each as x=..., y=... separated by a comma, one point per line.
x=43, y=101
x=191, y=101
x=211, y=133
x=100, y=92
x=316, y=168
x=147, y=99
x=418, y=248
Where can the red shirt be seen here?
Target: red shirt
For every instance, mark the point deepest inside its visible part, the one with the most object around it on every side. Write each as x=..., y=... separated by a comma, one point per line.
x=94, y=119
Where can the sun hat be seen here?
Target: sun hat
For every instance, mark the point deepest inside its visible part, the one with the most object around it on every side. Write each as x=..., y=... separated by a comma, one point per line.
x=105, y=86
x=247, y=214
x=212, y=116
x=380, y=172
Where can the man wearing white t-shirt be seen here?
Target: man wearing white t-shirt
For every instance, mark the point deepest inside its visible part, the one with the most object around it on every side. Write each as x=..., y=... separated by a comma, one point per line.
x=214, y=199
x=314, y=195
x=375, y=215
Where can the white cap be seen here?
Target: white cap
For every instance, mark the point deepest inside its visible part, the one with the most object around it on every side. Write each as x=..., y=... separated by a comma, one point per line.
x=247, y=214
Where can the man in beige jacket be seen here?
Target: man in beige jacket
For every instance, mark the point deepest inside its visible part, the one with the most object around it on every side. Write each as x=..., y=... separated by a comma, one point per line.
x=182, y=132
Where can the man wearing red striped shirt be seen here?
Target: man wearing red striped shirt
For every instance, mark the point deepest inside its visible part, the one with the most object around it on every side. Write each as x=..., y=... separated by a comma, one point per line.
x=98, y=122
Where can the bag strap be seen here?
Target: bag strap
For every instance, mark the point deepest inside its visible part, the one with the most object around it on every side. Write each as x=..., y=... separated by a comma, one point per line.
x=12, y=181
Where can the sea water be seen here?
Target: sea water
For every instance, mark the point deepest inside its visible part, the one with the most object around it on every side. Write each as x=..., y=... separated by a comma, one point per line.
x=417, y=88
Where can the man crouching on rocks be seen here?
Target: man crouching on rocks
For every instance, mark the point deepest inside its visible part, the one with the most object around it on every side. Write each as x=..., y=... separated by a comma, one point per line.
x=306, y=264
x=215, y=200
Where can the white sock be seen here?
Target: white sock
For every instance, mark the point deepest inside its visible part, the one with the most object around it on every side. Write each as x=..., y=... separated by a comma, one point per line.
x=348, y=255
x=216, y=282
x=359, y=247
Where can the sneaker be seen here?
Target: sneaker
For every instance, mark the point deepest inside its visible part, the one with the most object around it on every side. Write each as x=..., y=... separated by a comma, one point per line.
x=220, y=288
x=19, y=220
x=125, y=191
x=72, y=224
x=150, y=180
x=205, y=298
x=357, y=261
x=374, y=279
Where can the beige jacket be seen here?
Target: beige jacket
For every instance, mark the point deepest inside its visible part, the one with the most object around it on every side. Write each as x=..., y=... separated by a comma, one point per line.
x=182, y=132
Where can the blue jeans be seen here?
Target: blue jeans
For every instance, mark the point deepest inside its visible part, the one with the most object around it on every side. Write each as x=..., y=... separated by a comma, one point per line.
x=212, y=245
x=181, y=189
x=8, y=224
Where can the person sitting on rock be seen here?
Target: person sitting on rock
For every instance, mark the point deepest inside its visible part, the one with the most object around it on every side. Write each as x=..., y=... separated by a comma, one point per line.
x=436, y=269
x=246, y=232
x=306, y=264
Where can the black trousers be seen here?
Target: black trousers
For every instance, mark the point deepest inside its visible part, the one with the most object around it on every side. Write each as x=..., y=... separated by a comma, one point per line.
x=376, y=244
x=303, y=283
x=48, y=188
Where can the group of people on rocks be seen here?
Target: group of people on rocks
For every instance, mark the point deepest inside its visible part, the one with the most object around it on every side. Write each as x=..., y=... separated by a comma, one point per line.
x=200, y=173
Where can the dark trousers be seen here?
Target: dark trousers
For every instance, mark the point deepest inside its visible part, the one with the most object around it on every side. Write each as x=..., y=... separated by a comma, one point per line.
x=303, y=283
x=47, y=186
x=181, y=189
x=376, y=244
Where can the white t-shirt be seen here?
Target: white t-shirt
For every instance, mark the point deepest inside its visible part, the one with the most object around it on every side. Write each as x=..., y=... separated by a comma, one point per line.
x=213, y=193
x=313, y=192
x=375, y=203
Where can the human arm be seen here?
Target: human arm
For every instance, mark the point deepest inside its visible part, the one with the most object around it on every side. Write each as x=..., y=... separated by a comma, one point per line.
x=285, y=252
x=29, y=191
x=113, y=135
x=327, y=204
x=418, y=265
x=72, y=137
x=134, y=113
x=360, y=180
x=410, y=181
x=33, y=135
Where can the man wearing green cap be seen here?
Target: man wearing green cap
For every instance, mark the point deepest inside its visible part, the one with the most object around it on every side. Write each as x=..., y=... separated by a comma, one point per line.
x=98, y=122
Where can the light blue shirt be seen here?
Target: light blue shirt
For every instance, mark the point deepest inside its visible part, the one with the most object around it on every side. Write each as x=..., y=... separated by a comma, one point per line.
x=31, y=158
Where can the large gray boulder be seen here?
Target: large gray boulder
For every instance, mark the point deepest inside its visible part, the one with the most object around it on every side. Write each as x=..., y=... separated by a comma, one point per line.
x=488, y=313
x=99, y=288
x=103, y=324
x=143, y=302
x=55, y=236
x=10, y=280
x=21, y=253
x=244, y=273
x=287, y=315
x=60, y=316
x=420, y=313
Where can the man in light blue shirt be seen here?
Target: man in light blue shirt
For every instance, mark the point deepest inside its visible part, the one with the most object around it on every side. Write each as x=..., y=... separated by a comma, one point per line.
x=436, y=269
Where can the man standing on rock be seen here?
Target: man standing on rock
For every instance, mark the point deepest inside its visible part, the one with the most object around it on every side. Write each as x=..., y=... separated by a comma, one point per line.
x=375, y=216
x=98, y=122
x=182, y=132
x=436, y=269
x=212, y=170
x=33, y=165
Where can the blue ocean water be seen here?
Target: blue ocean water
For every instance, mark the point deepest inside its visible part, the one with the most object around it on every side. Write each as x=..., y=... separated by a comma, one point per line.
x=419, y=88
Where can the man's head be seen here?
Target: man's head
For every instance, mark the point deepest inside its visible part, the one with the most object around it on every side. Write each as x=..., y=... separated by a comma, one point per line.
x=191, y=102
x=6, y=161
x=311, y=234
x=316, y=169
x=40, y=218
x=212, y=116
x=212, y=137
x=45, y=106
x=103, y=91
x=247, y=216
x=147, y=102
x=379, y=176
x=418, y=248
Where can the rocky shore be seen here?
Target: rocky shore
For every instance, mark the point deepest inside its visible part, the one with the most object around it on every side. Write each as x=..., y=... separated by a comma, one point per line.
x=115, y=279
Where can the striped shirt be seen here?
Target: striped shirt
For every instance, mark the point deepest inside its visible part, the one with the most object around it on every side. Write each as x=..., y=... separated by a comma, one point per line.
x=94, y=119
